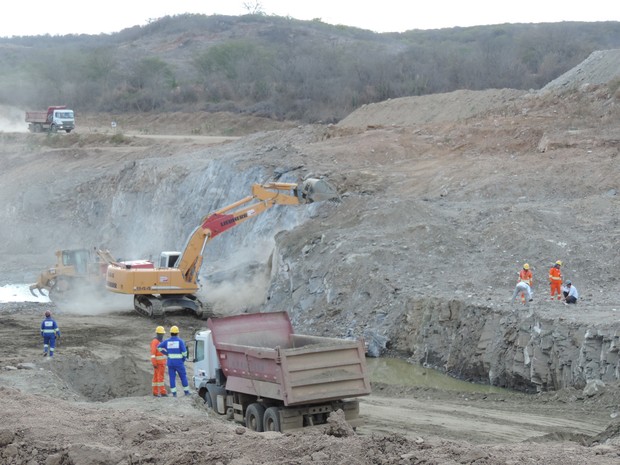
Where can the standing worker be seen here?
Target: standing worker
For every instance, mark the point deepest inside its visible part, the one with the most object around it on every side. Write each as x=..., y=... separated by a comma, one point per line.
x=174, y=348
x=525, y=276
x=49, y=331
x=555, y=279
x=158, y=360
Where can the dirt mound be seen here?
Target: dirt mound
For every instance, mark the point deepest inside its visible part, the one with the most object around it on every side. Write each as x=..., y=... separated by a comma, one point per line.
x=440, y=108
x=600, y=67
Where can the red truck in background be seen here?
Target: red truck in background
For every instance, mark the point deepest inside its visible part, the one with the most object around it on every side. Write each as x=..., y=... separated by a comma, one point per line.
x=255, y=370
x=56, y=118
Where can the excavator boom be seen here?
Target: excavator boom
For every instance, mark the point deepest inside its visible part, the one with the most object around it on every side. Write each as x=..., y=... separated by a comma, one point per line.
x=154, y=289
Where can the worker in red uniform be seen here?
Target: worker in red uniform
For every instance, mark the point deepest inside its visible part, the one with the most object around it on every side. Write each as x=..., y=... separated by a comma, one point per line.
x=159, y=364
x=555, y=279
x=525, y=276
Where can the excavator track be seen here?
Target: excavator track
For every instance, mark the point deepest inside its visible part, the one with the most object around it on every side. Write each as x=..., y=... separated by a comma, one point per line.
x=148, y=306
x=152, y=306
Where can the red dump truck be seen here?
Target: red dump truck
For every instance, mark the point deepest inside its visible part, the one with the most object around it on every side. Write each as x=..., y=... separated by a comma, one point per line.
x=56, y=118
x=255, y=370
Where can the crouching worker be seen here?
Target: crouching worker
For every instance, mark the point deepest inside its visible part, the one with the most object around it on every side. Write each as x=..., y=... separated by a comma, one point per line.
x=174, y=348
x=522, y=287
x=570, y=293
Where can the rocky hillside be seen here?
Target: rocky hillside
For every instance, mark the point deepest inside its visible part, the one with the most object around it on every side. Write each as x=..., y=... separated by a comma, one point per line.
x=443, y=198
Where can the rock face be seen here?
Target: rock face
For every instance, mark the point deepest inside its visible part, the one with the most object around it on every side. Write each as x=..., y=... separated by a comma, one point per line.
x=511, y=349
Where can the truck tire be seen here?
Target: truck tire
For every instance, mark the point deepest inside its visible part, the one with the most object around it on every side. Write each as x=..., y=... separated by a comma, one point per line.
x=208, y=400
x=254, y=417
x=53, y=128
x=68, y=130
x=271, y=420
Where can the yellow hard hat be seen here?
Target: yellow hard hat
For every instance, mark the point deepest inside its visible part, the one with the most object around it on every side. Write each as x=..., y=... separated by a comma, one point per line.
x=160, y=330
x=526, y=267
x=559, y=262
x=174, y=330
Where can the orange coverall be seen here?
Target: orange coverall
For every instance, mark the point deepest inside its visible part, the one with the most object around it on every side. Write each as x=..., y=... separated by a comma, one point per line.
x=555, y=278
x=159, y=369
x=526, y=277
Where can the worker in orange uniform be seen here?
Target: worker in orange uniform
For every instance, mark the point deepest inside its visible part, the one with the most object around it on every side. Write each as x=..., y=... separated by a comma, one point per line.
x=555, y=279
x=525, y=276
x=159, y=364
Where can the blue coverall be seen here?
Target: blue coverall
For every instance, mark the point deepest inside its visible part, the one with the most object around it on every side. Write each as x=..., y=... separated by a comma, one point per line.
x=49, y=331
x=174, y=348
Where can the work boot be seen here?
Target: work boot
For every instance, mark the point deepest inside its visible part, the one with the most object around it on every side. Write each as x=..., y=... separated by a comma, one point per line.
x=164, y=395
x=45, y=354
x=174, y=394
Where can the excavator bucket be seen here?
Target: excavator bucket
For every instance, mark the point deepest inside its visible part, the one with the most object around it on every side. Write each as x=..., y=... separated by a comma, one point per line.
x=317, y=190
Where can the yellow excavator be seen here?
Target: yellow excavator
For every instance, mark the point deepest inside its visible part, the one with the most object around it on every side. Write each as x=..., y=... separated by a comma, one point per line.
x=174, y=282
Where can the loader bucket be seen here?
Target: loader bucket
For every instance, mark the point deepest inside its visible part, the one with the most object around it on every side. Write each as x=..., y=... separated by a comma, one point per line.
x=316, y=190
x=36, y=286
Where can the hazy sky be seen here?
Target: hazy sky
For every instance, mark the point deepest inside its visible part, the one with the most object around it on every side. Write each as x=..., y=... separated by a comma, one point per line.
x=38, y=17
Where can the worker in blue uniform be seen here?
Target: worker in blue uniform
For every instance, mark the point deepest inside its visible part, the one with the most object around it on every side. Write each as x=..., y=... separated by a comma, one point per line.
x=176, y=352
x=49, y=331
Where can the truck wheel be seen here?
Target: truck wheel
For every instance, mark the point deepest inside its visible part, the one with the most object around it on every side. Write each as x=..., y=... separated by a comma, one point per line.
x=271, y=420
x=254, y=417
x=208, y=400
x=53, y=128
x=68, y=130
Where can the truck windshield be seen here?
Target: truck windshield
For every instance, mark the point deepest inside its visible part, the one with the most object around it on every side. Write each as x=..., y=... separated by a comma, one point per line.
x=64, y=114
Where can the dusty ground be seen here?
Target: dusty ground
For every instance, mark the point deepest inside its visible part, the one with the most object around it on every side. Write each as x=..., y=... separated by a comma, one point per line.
x=91, y=404
x=469, y=188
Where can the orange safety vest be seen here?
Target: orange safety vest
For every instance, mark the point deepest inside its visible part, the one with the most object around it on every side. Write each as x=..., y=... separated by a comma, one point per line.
x=555, y=275
x=157, y=358
x=526, y=276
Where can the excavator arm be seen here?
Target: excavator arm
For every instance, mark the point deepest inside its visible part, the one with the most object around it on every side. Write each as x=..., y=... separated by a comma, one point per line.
x=172, y=286
x=264, y=196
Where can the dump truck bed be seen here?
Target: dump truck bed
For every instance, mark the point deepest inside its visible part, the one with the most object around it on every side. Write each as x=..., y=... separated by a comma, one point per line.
x=260, y=355
x=36, y=116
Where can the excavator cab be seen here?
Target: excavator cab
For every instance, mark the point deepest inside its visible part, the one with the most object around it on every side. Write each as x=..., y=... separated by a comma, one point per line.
x=168, y=259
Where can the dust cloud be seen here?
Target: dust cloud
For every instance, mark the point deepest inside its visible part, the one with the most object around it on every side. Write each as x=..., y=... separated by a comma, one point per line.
x=89, y=301
x=12, y=119
x=231, y=297
x=239, y=282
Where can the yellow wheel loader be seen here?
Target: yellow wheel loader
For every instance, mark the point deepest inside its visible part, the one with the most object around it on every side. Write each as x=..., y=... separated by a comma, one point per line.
x=174, y=282
x=76, y=270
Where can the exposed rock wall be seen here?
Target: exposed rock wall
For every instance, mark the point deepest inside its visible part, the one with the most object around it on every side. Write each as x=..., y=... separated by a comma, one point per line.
x=512, y=349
